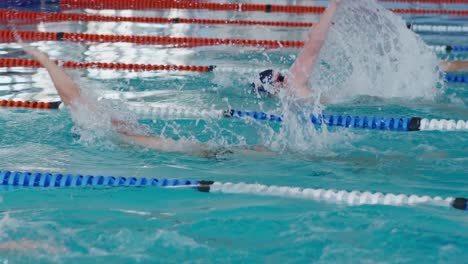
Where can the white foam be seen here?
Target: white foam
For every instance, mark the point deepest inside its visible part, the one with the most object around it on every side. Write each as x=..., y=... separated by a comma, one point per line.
x=8, y=224
x=92, y=117
x=369, y=51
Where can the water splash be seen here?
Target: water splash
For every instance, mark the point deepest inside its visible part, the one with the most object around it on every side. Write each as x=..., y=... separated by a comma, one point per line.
x=93, y=117
x=7, y=225
x=298, y=135
x=370, y=51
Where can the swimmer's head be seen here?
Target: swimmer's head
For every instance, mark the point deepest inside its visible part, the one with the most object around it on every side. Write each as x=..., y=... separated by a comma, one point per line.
x=268, y=83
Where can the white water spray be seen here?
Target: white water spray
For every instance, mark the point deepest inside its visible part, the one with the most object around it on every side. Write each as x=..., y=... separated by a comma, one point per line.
x=370, y=51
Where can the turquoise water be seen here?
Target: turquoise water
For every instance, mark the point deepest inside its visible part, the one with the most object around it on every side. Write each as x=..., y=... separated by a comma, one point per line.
x=127, y=225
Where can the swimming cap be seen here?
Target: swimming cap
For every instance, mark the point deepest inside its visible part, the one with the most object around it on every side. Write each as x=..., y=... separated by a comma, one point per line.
x=266, y=77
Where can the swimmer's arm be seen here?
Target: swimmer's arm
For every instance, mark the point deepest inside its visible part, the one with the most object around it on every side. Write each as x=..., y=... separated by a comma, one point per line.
x=302, y=67
x=66, y=88
x=159, y=143
x=126, y=131
x=454, y=66
x=188, y=146
x=150, y=142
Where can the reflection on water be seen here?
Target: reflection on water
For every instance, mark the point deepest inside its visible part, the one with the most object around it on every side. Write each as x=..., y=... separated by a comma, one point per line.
x=82, y=225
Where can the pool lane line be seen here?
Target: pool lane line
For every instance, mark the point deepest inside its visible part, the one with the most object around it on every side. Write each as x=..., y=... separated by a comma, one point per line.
x=424, y=1
x=363, y=122
x=30, y=17
x=15, y=62
x=30, y=104
x=439, y=28
x=7, y=36
x=456, y=78
x=188, y=5
x=25, y=17
x=233, y=7
x=353, y=198
x=427, y=1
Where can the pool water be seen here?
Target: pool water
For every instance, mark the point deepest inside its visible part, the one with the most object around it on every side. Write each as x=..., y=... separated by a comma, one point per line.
x=151, y=225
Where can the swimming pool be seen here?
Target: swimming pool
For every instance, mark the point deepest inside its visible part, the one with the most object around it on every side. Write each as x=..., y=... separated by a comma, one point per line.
x=104, y=224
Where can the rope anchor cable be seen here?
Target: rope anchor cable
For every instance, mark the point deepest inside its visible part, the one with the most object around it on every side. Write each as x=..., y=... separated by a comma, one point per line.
x=49, y=180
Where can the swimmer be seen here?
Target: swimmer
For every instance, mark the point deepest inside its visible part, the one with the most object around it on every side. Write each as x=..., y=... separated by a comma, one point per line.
x=296, y=86
x=296, y=83
x=70, y=95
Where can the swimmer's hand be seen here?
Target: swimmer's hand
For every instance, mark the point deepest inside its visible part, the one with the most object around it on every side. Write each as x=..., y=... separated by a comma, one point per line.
x=35, y=53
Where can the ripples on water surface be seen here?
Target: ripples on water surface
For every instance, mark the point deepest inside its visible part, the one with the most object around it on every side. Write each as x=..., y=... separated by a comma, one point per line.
x=160, y=225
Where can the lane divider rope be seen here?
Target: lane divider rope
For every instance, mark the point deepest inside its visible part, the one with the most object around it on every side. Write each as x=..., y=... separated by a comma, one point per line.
x=50, y=180
x=427, y=1
x=438, y=28
x=362, y=122
x=183, y=42
x=190, y=5
x=449, y=49
x=14, y=62
x=456, y=78
x=34, y=17
x=29, y=104
x=234, y=7
x=8, y=36
x=25, y=17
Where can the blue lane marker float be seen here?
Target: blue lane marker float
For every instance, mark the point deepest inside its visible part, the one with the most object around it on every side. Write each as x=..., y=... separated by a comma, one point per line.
x=28, y=179
x=51, y=180
x=375, y=123
x=453, y=78
x=458, y=48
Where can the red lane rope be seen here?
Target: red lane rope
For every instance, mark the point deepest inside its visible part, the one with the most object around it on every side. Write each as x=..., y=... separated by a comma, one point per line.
x=13, y=62
x=8, y=36
x=35, y=17
x=430, y=11
x=28, y=104
x=167, y=4
x=428, y=1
